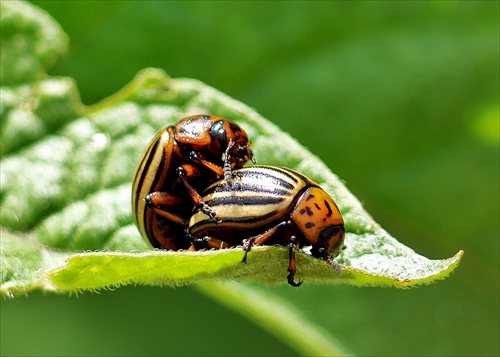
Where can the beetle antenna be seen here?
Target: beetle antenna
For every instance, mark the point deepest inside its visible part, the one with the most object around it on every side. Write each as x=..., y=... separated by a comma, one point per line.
x=227, y=164
x=338, y=268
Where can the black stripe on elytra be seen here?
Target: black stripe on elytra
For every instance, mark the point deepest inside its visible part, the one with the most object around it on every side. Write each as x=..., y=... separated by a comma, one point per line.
x=164, y=165
x=246, y=221
x=262, y=175
x=284, y=172
x=243, y=188
x=144, y=169
x=244, y=200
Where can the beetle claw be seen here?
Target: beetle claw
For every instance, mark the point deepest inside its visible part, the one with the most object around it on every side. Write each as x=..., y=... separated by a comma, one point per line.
x=292, y=282
x=247, y=246
x=244, y=260
x=210, y=213
x=194, y=156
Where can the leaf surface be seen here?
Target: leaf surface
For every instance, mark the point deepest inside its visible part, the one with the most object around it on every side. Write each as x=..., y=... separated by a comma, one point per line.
x=66, y=182
x=70, y=190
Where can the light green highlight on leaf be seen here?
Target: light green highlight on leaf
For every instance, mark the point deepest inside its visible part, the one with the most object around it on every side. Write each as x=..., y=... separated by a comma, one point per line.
x=486, y=125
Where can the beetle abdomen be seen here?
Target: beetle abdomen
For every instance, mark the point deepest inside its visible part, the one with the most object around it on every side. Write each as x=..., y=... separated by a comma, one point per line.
x=148, y=180
x=257, y=196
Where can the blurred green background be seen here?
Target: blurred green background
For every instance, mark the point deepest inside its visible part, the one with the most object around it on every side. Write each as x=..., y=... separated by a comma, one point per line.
x=400, y=99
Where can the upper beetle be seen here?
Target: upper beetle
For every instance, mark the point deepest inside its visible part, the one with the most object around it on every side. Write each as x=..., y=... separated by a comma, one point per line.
x=264, y=205
x=180, y=161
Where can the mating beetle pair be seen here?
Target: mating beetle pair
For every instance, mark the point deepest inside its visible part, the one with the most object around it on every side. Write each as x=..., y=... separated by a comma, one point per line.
x=180, y=161
x=258, y=205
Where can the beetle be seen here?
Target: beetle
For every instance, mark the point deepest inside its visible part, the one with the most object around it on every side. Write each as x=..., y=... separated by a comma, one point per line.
x=180, y=161
x=265, y=205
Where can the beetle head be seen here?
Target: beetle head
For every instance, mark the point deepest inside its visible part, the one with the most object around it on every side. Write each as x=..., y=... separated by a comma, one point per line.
x=225, y=133
x=212, y=135
x=319, y=220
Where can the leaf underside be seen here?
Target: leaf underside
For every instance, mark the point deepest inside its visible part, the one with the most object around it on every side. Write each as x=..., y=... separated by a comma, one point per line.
x=65, y=187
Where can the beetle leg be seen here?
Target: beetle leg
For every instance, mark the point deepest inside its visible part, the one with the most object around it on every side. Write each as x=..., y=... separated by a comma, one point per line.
x=208, y=243
x=292, y=266
x=247, y=245
x=194, y=156
x=198, y=201
x=158, y=200
x=225, y=171
x=261, y=238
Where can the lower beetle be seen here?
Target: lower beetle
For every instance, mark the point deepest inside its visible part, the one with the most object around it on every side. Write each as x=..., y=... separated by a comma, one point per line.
x=264, y=205
x=179, y=162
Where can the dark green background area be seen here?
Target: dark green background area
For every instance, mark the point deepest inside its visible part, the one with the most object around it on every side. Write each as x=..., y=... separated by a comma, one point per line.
x=400, y=99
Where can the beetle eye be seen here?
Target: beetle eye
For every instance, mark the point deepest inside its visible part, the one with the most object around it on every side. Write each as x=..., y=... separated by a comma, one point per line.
x=218, y=133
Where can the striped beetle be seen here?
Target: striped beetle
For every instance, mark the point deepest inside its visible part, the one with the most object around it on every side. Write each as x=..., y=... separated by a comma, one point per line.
x=264, y=205
x=180, y=161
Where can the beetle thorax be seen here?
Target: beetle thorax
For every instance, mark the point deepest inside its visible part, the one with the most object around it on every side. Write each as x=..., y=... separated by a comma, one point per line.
x=319, y=220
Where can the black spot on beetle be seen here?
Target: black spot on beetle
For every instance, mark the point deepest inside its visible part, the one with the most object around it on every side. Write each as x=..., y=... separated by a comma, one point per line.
x=309, y=197
x=329, y=232
x=309, y=212
x=329, y=209
x=309, y=225
x=302, y=211
x=317, y=206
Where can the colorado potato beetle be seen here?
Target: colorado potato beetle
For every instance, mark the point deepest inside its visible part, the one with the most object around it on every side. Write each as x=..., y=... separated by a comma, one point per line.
x=264, y=205
x=180, y=161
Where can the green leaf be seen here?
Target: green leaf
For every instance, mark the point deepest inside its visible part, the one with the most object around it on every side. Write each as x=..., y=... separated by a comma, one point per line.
x=31, y=42
x=66, y=181
x=24, y=263
x=70, y=190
